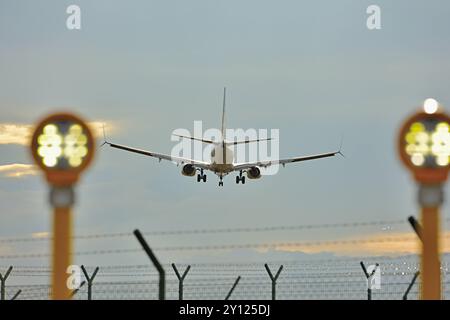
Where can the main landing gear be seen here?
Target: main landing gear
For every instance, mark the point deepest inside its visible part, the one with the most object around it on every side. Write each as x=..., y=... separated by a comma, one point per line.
x=240, y=178
x=201, y=176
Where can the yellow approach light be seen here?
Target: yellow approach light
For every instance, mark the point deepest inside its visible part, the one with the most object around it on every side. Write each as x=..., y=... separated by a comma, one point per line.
x=424, y=144
x=62, y=146
x=435, y=144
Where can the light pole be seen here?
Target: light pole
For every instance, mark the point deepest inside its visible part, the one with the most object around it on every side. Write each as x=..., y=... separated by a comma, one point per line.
x=424, y=148
x=62, y=146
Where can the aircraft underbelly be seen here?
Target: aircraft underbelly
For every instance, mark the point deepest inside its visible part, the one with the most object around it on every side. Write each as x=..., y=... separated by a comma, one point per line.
x=222, y=168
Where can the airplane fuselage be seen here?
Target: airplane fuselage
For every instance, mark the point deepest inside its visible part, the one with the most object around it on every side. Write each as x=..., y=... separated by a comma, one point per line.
x=222, y=159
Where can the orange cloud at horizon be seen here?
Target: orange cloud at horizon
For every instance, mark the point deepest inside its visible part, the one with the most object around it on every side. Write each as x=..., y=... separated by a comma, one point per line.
x=375, y=244
x=12, y=133
x=18, y=170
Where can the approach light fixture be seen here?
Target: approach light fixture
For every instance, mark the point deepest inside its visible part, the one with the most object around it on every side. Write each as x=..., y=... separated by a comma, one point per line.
x=62, y=146
x=424, y=148
x=424, y=145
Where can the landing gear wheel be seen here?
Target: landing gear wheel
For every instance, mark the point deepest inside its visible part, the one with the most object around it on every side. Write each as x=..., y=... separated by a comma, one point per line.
x=240, y=178
x=220, y=184
x=201, y=177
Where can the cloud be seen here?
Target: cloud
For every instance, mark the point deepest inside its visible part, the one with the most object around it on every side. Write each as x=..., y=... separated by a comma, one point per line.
x=11, y=133
x=40, y=235
x=97, y=128
x=16, y=133
x=374, y=244
x=18, y=170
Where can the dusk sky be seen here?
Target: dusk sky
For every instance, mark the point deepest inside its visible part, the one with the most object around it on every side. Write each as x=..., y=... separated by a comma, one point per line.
x=311, y=69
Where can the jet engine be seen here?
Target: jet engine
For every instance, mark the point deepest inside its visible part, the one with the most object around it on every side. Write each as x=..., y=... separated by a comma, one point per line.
x=253, y=173
x=188, y=170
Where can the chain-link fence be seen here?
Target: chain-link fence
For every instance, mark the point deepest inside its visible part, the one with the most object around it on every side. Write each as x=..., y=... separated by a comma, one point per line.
x=315, y=279
x=310, y=276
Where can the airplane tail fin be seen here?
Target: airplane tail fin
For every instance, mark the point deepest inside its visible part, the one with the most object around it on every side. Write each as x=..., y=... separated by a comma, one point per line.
x=223, y=113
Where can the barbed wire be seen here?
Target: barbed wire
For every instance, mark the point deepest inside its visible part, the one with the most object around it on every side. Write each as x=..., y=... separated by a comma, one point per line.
x=230, y=246
x=312, y=262
x=249, y=290
x=307, y=285
x=260, y=274
x=149, y=269
x=216, y=231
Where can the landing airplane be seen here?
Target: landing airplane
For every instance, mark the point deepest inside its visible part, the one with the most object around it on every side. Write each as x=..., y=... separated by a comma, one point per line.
x=222, y=158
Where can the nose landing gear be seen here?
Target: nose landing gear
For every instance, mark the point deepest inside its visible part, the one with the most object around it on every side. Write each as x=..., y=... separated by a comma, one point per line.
x=221, y=182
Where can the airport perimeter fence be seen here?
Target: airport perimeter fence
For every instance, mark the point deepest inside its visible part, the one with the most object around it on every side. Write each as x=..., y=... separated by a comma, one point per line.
x=305, y=277
x=321, y=279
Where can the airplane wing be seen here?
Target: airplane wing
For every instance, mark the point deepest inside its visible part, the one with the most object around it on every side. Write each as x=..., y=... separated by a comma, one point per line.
x=228, y=143
x=196, y=139
x=160, y=156
x=265, y=164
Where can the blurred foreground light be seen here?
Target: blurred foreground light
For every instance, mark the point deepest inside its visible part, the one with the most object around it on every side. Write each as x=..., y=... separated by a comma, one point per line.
x=424, y=149
x=430, y=106
x=424, y=143
x=432, y=145
x=49, y=145
x=52, y=142
x=62, y=146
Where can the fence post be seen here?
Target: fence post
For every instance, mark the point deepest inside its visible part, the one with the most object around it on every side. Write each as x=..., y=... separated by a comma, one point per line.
x=418, y=230
x=416, y=226
x=180, y=279
x=232, y=288
x=74, y=292
x=3, y=285
x=405, y=295
x=158, y=266
x=16, y=295
x=369, y=276
x=90, y=280
x=274, y=279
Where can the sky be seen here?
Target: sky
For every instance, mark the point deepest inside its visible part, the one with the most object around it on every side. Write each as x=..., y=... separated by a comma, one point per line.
x=311, y=69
